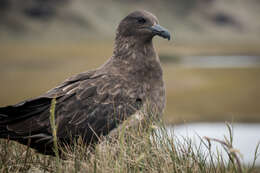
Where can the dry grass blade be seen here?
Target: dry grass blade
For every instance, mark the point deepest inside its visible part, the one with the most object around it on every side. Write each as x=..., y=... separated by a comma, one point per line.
x=54, y=134
x=228, y=147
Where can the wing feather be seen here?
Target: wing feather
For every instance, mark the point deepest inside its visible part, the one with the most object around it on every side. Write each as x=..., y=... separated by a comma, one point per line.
x=99, y=109
x=87, y=106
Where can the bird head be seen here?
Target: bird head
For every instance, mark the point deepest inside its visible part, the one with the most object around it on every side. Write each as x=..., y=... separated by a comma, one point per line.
x=142, y=25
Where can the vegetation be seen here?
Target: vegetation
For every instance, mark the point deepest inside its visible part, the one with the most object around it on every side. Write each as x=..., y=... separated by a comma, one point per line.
x=147, y=147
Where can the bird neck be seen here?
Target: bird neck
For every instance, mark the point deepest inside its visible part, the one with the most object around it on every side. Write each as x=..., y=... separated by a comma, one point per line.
x=139, y=58
x=134, y=49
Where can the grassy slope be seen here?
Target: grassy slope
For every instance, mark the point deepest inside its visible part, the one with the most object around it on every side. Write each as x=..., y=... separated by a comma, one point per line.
x=191, y=20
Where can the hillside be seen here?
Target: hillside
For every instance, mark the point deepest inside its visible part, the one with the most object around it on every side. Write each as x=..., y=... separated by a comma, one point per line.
x=190, y=20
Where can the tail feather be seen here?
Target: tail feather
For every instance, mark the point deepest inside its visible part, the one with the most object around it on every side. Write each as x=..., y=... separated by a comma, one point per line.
x=17, y=123
x=14, y=119
x=23, y=110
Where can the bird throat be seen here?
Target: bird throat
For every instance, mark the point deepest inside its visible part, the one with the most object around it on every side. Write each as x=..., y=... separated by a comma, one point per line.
x=138, y=56
x=132, y=48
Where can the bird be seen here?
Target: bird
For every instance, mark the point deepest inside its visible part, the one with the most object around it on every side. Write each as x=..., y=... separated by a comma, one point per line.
x=93, y=103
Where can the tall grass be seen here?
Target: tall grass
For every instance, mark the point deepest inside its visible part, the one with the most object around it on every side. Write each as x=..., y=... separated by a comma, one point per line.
x=147, y=147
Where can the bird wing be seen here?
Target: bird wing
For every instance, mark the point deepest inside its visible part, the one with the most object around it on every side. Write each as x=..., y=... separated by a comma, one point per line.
x=88, y=105
x=97, y=105
x=31, y=107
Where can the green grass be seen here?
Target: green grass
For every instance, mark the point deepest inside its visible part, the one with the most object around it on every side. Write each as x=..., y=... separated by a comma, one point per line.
x=223, y=94
x=147, y=147
x=54, y=127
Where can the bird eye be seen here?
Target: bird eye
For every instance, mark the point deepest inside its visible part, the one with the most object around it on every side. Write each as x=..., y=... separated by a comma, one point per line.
x=141, y=20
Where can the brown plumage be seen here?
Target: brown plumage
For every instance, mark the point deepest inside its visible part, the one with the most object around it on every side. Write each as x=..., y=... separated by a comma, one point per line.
x=93, y=103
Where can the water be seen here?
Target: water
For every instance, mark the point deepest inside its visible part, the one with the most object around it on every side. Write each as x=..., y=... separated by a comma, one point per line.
x=220, y=61
x=246, y=137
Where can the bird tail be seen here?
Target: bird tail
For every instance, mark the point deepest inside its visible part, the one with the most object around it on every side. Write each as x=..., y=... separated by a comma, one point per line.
x=16, y=114
x=5, y=116
x=3, y=129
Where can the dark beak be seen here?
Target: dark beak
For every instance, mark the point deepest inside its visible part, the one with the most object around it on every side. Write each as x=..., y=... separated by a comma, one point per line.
x=160, y=31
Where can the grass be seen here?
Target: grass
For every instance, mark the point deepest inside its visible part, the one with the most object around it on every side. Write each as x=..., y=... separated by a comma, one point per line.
x=147, y=147
x=212, y=94
x=54, y=127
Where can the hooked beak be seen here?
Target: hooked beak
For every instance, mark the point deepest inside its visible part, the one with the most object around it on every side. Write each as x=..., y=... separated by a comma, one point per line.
x=160, y=31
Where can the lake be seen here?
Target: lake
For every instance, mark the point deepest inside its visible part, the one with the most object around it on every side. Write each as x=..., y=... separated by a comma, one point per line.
x=227, y=61
x=245, y=137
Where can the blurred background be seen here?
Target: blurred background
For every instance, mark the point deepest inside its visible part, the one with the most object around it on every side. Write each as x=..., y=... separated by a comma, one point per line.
x=211, y=66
